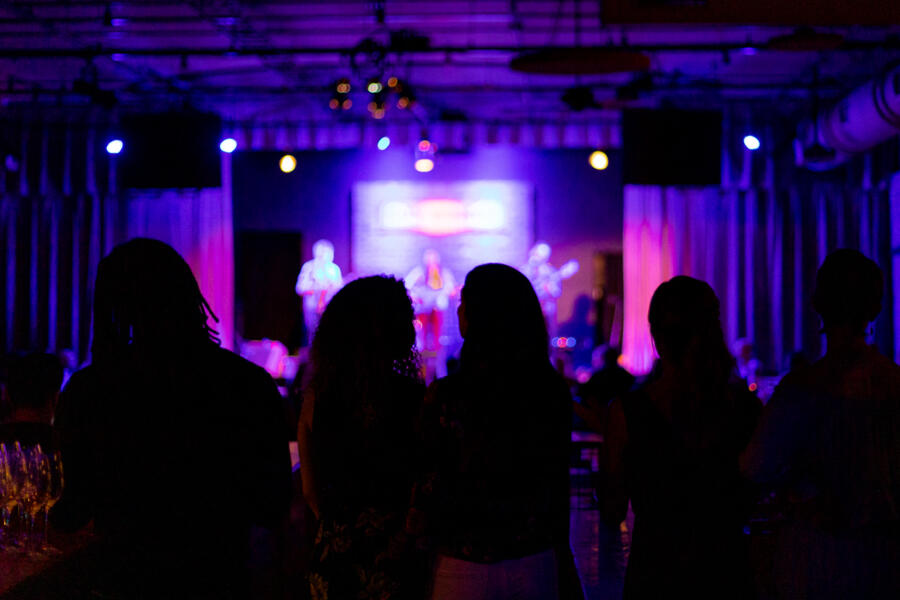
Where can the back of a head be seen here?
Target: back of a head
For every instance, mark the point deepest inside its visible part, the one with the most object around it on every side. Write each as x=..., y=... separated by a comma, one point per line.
x=34, y=380
x=849, y=290
x=505, y=325
x=366, y=333
x=147, y=297
x=684, y=322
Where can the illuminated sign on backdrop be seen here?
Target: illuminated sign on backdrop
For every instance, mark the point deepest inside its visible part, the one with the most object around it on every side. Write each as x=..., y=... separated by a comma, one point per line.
x=467, y=222
x=443, y=217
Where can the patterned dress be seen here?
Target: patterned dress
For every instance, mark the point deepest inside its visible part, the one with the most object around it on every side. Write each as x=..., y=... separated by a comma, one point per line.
x=367, y=545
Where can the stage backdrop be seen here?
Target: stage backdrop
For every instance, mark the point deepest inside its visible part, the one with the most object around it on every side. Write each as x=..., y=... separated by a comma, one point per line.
x=467, y=222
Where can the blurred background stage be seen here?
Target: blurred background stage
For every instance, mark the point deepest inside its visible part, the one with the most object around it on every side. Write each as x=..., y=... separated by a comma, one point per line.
x=733, y=142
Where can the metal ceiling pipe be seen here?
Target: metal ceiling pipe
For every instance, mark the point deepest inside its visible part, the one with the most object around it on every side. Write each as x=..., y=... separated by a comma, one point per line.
x=866, y=117
x=890, y=43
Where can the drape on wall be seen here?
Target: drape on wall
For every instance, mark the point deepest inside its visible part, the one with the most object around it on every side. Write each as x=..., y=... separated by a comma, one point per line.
x=759, y=251
x=758, y=239
x=58, y=216
x=198, y=224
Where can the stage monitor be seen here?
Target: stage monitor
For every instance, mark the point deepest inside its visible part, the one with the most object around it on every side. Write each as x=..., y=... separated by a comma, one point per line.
x=170, y=150
x=672, y=147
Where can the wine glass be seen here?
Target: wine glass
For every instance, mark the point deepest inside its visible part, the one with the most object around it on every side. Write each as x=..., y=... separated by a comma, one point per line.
x=34, y=494
x=8, y=494
x=53, y=492
x=21, y=491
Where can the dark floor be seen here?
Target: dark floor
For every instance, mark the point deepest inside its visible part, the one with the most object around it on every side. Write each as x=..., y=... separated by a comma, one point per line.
x=601, y=552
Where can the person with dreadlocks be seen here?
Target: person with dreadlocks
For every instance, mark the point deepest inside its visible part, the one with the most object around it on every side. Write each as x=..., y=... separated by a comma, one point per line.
x=174, y=447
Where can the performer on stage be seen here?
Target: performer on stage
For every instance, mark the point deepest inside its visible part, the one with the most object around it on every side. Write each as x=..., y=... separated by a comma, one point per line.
x=547, y=280
x=319, y=280
x=431, y=286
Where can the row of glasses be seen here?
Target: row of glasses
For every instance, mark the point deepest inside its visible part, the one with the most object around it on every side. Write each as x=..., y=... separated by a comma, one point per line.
x=31, y=482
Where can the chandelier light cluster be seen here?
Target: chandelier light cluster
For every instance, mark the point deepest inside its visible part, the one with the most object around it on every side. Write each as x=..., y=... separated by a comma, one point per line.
x=381, y=95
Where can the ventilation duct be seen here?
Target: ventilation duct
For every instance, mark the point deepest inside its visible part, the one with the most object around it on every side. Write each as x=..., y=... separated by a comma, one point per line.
x=865, y=118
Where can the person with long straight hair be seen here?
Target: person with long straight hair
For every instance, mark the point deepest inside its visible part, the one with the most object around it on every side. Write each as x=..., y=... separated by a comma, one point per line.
x=359, y=452
x=499, y=434
x=174, y=447
x=672, y=448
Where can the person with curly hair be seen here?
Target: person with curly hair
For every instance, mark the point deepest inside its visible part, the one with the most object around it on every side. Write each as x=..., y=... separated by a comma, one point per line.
x=359, y=452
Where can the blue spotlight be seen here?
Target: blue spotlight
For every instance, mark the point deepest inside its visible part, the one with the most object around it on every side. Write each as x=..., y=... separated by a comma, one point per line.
x=383, y=143
x=751, y=142
x=114, y=146
x=228, y=145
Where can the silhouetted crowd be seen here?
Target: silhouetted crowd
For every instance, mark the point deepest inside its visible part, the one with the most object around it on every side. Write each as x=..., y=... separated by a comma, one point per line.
x=176, y=451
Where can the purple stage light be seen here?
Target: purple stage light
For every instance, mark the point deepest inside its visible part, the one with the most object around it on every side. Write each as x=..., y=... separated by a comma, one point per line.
x=751, y=142
x=114, y=146
x=383, y=143
x=228, y=145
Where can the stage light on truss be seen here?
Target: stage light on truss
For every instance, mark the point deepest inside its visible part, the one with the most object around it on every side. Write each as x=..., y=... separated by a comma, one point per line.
x=599, y=160
x=115, y=146
x=405, y=97
x=392, y=82
x=424, y=165
x=228, y=145
x=287, y=163
x=751, y=142
x=383, y=143
x=340, y=98
x=374, y=86
x=424, y=154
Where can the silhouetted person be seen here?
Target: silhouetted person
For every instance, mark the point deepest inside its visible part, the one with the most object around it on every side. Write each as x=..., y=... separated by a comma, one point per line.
x=33, y=390
x=173, y=446
x=359, y=452
x=580, y=330
x=499, y=440
x=607, y=383
x=830, y=435
x=674, y=443
x=798, y=361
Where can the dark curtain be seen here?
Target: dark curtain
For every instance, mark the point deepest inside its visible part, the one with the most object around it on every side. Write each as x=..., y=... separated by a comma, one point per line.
x=59, y=214
x=758, y=239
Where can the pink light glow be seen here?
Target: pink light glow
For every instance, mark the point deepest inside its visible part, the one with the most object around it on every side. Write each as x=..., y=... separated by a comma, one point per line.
x=442, y=217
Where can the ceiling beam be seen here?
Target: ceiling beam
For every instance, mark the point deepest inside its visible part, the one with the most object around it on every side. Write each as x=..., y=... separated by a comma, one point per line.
x=891, y=43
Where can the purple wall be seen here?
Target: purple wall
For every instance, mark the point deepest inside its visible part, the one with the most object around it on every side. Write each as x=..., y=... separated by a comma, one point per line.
x=578, y=209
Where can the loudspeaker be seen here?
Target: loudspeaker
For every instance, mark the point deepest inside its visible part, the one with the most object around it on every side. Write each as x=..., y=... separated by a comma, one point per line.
x=170, y=150
x=672, y=147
